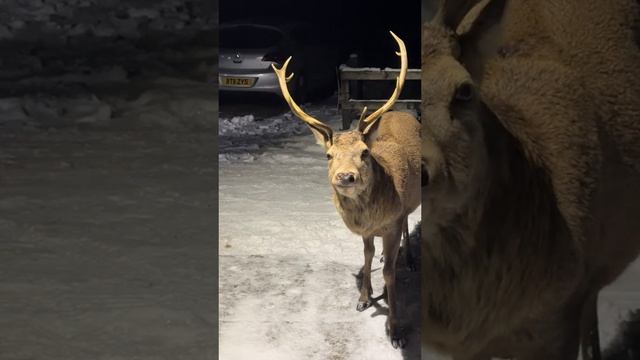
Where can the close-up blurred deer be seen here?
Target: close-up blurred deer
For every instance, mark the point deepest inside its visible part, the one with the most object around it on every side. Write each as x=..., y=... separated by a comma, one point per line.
x=531, y=153
x=374, y=171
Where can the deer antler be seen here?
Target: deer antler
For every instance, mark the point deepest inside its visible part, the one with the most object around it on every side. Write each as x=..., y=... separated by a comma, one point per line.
x=312, y=122
x=369, y=120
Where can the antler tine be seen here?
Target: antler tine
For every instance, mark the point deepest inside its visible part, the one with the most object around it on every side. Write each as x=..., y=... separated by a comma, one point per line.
x=364, y=111
x=361, y=124
x=399, y=81
x=438, y=18
x=282, y=80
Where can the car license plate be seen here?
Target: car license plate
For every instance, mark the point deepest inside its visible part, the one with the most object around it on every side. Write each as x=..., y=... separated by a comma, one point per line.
x=237, y=81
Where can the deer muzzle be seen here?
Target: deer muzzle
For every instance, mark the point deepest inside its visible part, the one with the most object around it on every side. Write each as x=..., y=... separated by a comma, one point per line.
x=345, y=179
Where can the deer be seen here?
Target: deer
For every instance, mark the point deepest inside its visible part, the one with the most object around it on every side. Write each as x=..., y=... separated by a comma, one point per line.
x=374, y=175
x=530, y=166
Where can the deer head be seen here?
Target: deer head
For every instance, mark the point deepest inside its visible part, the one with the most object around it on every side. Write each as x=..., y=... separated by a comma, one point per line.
x=349, y=152
x=454, y=155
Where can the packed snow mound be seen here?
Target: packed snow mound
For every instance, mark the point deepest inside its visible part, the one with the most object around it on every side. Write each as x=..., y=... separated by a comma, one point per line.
x=241, y=137
x=90, y=41
x=24, y=19
x=246, y=138
x=248, y=125
x=110, y=74
x=174, y=104
x=52, y=111
x=99, y=63
x=172, y=107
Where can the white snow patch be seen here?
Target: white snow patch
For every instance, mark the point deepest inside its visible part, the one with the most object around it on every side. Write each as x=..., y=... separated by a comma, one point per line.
x=248, y=125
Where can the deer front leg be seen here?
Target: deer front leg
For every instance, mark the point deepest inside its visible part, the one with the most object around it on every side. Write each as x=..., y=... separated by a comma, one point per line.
x=366, y=289
x=391, y=244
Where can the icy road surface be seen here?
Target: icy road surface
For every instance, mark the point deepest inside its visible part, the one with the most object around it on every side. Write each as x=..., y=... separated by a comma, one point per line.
x=287, y=262
x=107, y=245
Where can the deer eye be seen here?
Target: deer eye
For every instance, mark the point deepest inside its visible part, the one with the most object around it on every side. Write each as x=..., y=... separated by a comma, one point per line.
x=365, y=153
x=464, y=92
x=329, y=157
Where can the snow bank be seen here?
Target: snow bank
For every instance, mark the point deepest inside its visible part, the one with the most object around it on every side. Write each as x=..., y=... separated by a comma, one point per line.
x=241, y=137
x=244, y=138
x=247, y=125
x=52, y=111
x=166, y=104
x=25, y=19
x=99, y=63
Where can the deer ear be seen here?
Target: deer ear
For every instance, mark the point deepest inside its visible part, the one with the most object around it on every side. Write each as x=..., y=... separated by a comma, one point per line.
x=370, y=133
x=469, y=16
x=480, y=18
x=451, y=12
x=322, y=138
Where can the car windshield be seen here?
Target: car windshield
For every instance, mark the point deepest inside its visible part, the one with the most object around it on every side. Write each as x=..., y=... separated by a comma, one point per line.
x=248, y=37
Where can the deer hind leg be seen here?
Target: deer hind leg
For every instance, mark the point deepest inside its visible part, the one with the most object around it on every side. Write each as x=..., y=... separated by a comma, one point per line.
x=408, y=257
x=391, y=245
x=366, y=289
x=560, y=336
x=589, y=337
x=406, y=247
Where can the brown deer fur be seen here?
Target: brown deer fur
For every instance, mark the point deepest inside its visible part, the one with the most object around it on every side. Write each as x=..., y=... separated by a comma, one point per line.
x=374, y=171
x=391, y=187
x=531, y=113
x=389, y=192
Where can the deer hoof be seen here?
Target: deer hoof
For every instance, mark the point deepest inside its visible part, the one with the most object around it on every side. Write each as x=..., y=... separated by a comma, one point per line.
x=363, y=305
x=411, y=265
x=398, y=340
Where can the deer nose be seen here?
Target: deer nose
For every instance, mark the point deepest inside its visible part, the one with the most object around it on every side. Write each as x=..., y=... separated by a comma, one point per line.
x=346, y=178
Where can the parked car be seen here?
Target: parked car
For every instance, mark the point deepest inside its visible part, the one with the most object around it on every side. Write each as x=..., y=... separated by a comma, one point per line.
x=247, y=51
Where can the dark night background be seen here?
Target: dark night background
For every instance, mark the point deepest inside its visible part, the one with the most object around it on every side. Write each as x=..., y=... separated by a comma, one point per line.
x=361, y=26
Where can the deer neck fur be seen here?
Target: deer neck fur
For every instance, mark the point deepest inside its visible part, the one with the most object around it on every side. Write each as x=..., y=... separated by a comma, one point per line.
x=373, y=211
x=490, y=249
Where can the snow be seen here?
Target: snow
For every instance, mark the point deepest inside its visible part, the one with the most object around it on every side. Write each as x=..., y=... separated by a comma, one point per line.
x=287, y=262
x=162, y=103
x=107, y=245
x=615, y=305
x=107, y=168
x=344, y=67
x=101, y=18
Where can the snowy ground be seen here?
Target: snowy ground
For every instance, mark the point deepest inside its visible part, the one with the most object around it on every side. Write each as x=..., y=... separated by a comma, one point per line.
x=287, y=262
x=107, y=194
x=619, y=307
x=107, y=245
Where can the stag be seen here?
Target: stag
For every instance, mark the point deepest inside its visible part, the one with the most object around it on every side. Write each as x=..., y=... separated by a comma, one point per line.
x=375, y=178
x=531, y=165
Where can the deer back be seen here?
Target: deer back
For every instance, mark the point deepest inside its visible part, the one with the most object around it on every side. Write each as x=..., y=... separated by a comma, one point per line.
x=598, y=41
x=395, y=145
